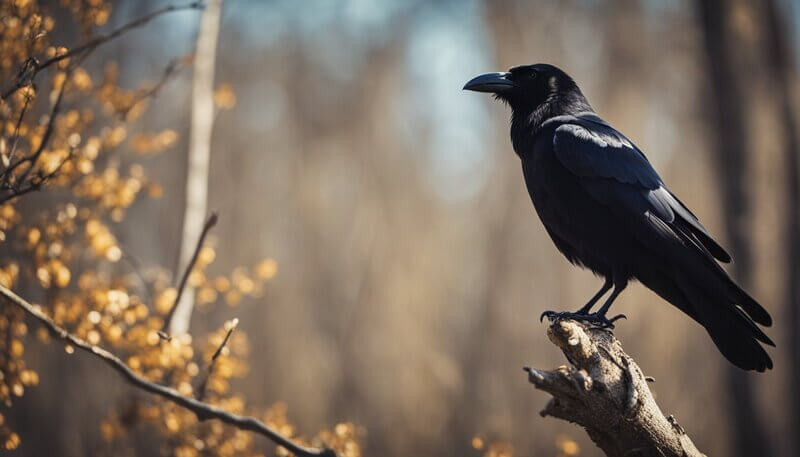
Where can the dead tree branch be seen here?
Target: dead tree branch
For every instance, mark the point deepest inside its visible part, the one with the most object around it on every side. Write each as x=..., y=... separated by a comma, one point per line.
x=202, y=410
x=605, y=392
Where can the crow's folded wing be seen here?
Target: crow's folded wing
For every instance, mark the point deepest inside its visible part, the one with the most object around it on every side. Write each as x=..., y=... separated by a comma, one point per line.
x=590, y=148
x=617, y=174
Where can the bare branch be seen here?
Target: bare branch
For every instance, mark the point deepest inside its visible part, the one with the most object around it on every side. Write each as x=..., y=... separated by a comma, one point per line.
x=170, y=70
x=33, y=67
x=199, y=408
x=605, y=392
x=17, y=186
x=201, y=390
x=8, y=158
x=136, y=269
x=31, y=160
x=39, y=180
x=210, y=223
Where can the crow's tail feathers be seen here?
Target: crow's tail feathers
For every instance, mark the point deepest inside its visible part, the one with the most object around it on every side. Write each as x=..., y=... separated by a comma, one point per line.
x=750, y=306
x=735, y=334
x=712, y=275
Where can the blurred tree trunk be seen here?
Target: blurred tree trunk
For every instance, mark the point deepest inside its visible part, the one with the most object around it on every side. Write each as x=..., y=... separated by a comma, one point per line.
x=199, y=155
x=724, y=98
x=778, y=53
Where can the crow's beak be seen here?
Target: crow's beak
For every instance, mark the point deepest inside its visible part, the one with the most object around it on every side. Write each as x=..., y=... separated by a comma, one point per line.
x=490, y=82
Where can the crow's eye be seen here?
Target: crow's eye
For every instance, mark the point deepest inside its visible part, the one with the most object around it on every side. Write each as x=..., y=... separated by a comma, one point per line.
x=533, y=75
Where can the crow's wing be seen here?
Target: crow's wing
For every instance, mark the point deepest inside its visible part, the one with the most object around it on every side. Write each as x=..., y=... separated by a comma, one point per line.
x=590, y=148
x=617, y=174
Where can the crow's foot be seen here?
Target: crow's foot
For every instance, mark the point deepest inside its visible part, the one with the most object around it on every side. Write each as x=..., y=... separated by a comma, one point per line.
x=598, y=320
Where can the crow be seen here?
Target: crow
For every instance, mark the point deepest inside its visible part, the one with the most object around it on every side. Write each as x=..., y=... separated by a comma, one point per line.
x=606, y=209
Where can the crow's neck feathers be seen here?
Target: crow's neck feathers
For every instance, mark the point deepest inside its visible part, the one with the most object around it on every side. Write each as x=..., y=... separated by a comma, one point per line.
x=526, y=120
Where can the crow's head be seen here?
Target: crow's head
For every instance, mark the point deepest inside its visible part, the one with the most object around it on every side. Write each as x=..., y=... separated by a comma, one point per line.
x=530, y=88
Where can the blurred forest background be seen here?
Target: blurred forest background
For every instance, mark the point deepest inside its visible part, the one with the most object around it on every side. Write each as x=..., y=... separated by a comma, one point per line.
x=405, y=267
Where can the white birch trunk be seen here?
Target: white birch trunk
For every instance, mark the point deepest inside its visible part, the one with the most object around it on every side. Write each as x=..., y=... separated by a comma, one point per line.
x=199, y=154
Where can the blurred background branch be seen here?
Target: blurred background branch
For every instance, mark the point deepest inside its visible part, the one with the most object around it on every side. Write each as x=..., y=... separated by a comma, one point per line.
x=182, y=285
x=204, y=411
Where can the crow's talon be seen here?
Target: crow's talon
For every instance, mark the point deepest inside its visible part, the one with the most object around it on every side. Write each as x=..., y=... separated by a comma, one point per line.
x=559, y=315
x=617, y=317
x=600, y=321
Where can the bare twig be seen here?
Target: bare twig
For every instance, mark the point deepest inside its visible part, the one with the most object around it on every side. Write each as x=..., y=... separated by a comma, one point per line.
x=17, y=186
x=211, y=222
x=36, y=182
x=605, y=391
x=31, y=160
x=201, y=390
x=201, y=409
x=8, y=158
x=136, y=268
x=33, y=66
x=170, y=70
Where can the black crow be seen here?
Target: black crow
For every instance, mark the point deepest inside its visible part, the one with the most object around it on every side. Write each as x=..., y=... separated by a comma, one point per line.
x=606, y=209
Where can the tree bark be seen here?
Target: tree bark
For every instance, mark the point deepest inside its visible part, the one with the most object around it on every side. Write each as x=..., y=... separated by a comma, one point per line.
x=604, y=391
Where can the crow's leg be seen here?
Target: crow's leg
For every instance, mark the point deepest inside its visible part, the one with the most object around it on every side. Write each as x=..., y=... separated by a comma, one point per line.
x=584, y=311
x=599, y=318
x=606, y=286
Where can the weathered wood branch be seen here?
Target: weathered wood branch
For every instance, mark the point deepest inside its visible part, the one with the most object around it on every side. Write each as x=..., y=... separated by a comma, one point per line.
x=604, y=391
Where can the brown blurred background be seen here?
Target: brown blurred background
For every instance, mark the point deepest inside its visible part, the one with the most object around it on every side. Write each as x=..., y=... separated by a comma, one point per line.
x=412, y=267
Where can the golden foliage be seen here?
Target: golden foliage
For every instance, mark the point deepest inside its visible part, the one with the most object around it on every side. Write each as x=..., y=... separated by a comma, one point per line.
x=225, y=97
x=566, y=446
x=492, y=449
x=89, y=155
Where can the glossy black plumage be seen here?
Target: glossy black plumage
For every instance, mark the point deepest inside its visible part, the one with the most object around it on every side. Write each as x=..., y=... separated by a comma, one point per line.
x=606, y=209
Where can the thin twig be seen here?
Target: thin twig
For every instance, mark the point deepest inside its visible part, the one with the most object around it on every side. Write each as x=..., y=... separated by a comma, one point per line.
x=211, y=222
x=18, y=187
x=37, y=181
x=170, y=70
x=26, y=77
x=31, y=159
x=201, y=409
x=201, y=390
x=136, y=268
x=7, y=160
